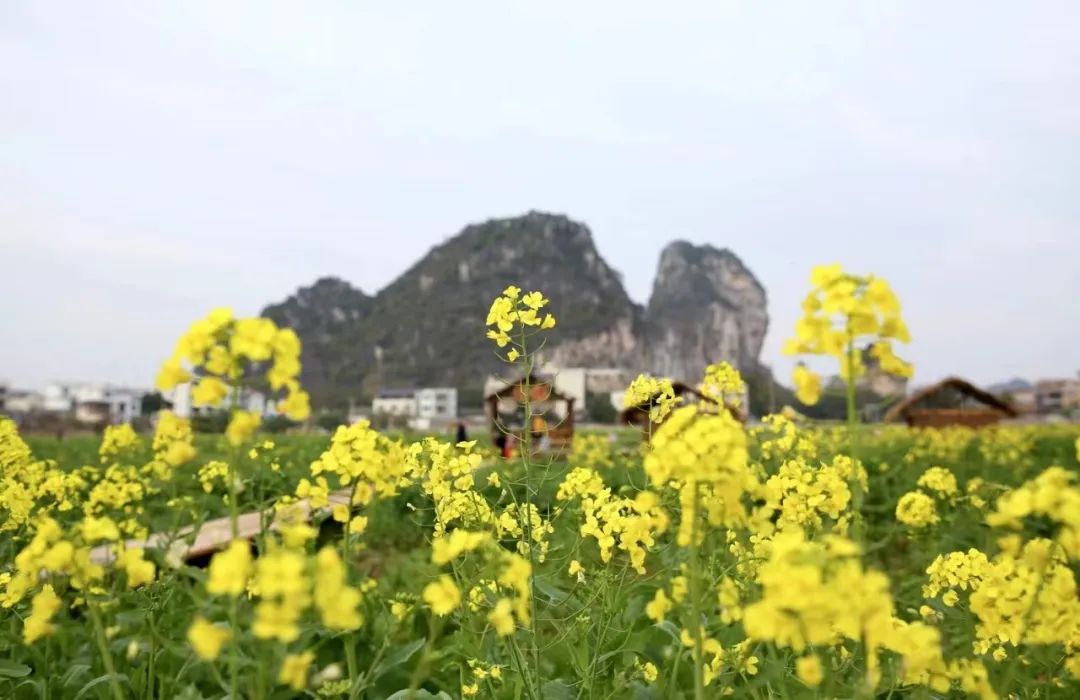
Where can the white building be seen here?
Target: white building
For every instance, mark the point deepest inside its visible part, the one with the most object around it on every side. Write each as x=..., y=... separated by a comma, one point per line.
x=22, y=403
x=436, y=403
x=421, y=408
x=250, y=400
x=92, y=403
x=570, y=381
x=605, y=380
x=395, y=402
x=58, y=397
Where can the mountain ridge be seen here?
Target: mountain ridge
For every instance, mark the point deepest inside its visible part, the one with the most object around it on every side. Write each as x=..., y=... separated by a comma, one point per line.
x=426, y=325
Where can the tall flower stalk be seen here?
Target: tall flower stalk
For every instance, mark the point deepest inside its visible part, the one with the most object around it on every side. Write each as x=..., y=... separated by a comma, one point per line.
x=845, y=315
x=221, y=356
x=517, y=324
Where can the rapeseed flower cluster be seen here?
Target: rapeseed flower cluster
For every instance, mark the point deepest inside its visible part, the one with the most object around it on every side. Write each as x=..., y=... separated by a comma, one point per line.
x=1054, y=495
x=656, y=395
x=841, y=313
x=723, y=385
x=514, y=317
x=220, y=353
x=916, y=509
x=704, y=456
x=813, y=498
x=629, y=524
x=920, y=508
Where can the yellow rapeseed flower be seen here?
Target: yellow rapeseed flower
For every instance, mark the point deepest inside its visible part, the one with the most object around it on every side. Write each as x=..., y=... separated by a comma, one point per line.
x=44, y=605
x=807, y=385
x=809, y=670
x=658, y=607
x=916, y=509
x=206, y=638
x=230, y=569
x=242, y=426
x=294, y=669
x=139, y=571
x=442, y=595
x=210, y=391
x=501, y=617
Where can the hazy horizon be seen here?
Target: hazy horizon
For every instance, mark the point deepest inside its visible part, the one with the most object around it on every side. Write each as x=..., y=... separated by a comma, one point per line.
x=162, y=160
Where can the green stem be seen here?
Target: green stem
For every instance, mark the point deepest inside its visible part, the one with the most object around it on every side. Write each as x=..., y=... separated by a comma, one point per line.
x=420, y=672
x=48, y=670
x=350, y=663
x=523, y=669
x=345, y=532
x=103, y=648
x=853, y=437
x=526, y=456
x=695, y=599
x=234, y=659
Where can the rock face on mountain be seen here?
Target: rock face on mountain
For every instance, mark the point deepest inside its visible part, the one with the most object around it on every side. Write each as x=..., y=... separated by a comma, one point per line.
x=705, y=305
x=325, y=315
x=427, y=326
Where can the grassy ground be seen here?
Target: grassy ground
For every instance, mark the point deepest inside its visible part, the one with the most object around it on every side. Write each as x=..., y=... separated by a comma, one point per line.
x=591, y=634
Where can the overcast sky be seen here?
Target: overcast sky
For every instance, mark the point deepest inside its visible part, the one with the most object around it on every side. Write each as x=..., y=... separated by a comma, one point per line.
x=157, y=160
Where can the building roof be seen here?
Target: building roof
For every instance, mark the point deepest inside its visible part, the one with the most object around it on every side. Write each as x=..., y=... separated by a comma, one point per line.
x=399, y=393
x=1055, y=384
x=962, y=386
x=535, y=380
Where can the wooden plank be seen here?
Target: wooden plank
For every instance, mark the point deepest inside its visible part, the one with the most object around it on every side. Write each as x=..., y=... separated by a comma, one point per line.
x=214, y=534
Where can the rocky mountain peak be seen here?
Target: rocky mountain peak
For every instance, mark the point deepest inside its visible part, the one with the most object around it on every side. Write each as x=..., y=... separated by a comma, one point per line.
x=329, y=302
x=426, y=327
x=705, y=305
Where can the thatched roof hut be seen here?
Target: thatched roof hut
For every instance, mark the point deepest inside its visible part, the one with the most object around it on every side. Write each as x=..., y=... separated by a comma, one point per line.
x=638, y=416
x=552, y=411
x=952, y=401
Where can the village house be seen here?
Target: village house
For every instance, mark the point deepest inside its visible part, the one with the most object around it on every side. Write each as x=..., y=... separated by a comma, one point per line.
x=421, y=408
x=394, y=402
x=436, y=403
x=89, y=403
x=1024, y=400
x=1057, y=395
x=179, y=397
x=23, y=403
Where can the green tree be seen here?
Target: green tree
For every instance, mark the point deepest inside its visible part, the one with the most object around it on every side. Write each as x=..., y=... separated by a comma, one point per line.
x=599, y=408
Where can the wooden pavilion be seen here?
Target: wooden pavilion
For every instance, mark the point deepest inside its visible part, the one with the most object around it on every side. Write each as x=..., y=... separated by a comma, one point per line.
x=552, y=419
x=952, y=401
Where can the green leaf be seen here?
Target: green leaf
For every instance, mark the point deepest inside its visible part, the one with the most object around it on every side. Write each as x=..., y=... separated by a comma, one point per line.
x=557, y=690
x=98, y=681
x=398, y=656
x=419, y=694
x=189, y=693
x=546, y=588
x=669, y=627
x=73, y=672
x=37, y=685
x=12, y=669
